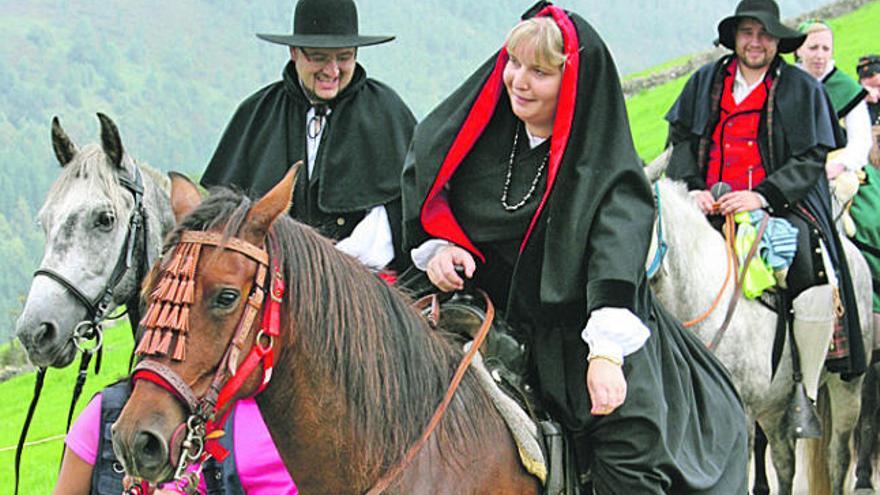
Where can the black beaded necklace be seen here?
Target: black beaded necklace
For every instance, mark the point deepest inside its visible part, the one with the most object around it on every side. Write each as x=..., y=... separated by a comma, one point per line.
x=528, y=195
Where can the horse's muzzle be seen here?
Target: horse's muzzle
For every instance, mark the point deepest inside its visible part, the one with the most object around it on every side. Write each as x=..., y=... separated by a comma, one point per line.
x=43, y=345
x=143, y=452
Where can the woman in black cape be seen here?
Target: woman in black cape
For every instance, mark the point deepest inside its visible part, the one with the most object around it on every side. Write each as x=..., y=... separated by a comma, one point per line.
x=526, y=177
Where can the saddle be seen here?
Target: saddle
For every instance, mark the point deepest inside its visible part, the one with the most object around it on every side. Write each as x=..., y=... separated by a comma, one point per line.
x=502, y=369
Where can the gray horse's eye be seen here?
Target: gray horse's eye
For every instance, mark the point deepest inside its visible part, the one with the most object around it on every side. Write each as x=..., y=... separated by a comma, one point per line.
x=105, y=220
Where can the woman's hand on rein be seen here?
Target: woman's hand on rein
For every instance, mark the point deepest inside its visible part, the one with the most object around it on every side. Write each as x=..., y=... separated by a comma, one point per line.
x=606, y=385
x=441, y=268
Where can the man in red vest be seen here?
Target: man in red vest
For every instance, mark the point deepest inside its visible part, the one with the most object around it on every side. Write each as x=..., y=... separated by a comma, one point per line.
x=755, y=131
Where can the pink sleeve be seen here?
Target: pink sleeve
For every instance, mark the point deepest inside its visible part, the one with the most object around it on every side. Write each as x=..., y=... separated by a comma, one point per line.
x=83, y=436
x=260, y=468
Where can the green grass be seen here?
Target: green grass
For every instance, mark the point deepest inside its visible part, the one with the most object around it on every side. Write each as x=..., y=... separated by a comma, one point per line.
x=854, y=36
x=40, y=462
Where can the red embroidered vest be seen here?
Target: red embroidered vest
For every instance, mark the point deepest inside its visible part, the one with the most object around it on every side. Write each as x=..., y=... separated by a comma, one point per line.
x=734, y=156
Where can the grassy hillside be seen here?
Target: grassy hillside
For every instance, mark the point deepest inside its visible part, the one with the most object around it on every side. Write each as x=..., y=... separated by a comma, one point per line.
x=171, y=73
x=40, y=462
x=855, y=35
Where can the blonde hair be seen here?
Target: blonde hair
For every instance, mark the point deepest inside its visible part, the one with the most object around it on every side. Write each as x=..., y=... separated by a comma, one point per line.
x=543, y=36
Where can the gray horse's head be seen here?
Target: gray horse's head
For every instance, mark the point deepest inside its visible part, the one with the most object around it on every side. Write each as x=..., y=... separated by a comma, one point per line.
x=85, y=221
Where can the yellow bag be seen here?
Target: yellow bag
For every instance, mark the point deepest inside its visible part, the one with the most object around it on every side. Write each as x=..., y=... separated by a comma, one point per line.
x=759, y=277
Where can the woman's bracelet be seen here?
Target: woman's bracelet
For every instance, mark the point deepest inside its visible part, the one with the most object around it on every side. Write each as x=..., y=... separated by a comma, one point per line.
x=610, y=359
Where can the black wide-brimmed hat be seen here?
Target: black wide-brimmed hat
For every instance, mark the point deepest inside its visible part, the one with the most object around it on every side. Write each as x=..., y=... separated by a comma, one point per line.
x=868, y=66
x=767, y=13
x=325, y=24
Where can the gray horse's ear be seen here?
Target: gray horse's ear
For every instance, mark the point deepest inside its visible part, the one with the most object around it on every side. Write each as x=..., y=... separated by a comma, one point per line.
x=185, y=196
x=110, y=140
x=657, y=167
x=64, y=148
x=271, y=206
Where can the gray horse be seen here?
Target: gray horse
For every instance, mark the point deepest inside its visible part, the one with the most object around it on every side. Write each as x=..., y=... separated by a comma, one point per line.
x=688, y=281
x=92, y=220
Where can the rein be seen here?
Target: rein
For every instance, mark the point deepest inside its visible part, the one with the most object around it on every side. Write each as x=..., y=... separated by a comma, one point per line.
x=662, y=247
x=729, y=232
x=737, y=289
x=96, y=309
x=432, y=301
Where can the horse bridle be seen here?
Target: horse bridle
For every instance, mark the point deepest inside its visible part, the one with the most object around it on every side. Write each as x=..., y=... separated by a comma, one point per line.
x=91, y=327
x=96, y=308
x=203, y=427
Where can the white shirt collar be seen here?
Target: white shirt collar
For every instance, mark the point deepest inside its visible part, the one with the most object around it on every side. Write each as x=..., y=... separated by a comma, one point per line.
x=534, y=140
x=741, y=88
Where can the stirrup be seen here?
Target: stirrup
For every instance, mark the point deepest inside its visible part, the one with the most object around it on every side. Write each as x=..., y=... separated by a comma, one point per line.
x=801, y=417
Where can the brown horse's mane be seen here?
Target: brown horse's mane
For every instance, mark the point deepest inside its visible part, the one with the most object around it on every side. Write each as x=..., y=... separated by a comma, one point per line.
x=390, y=369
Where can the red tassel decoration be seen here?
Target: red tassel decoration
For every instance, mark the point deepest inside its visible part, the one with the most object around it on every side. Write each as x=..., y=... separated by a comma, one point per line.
x=180, y=348
x=171, y=290
x=160, y=289
x=152, y=316
x=189, y=289
x=163, y=316
x=191, y=271
x=183, y=320
x=164, y=344
x=176, y=260
x=171, y=321
x=189, y=264
x=144, y=345
x=154, y=342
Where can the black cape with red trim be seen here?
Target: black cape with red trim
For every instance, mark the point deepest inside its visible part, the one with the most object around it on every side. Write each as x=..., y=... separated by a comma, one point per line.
x=682, y=427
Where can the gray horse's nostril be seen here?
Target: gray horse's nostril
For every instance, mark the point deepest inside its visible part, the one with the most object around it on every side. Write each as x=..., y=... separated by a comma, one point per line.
x=45, y=334
x=150, y=450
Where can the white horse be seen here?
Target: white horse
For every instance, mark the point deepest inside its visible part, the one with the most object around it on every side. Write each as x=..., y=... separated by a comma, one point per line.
x=688, y=281
x=87, y=220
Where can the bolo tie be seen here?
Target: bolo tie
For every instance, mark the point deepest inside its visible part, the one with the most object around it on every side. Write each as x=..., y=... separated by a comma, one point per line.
x=316, y=122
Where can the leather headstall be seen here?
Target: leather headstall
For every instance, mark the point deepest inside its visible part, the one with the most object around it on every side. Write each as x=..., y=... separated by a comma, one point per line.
x=168, y=316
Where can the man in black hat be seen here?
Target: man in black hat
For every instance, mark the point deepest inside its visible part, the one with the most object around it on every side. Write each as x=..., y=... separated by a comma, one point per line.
x=869, y=77
x=755, y=131
x=351, y=133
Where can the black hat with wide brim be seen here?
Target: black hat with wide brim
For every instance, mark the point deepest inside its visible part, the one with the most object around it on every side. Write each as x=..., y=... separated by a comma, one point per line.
x=325, y=24
x=767, y=13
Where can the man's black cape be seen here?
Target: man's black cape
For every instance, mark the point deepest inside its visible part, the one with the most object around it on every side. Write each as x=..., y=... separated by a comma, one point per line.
x=803, y=129
x=585, y=250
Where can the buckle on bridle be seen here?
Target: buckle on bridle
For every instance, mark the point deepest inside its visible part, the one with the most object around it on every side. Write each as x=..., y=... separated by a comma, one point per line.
x=85, y=332
x=193, y=445
x=261, y=337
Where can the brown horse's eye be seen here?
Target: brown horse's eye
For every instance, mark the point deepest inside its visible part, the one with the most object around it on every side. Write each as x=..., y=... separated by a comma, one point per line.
x=226, y=298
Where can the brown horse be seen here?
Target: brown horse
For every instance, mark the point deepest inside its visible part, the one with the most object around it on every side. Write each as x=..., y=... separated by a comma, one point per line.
x=357, y=371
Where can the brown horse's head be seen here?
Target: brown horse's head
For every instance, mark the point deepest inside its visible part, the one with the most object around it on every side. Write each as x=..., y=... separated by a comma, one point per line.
x=198, y=297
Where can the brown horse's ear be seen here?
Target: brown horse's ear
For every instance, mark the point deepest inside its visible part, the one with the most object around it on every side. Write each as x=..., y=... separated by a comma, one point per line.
x=64, y=148
x=271, y=206
x=184, y=196
x=110, y=140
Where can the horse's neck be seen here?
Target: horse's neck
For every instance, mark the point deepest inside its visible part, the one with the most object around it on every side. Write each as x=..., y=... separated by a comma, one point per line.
x=306, y=420
x=160, y=218
x=696, y=258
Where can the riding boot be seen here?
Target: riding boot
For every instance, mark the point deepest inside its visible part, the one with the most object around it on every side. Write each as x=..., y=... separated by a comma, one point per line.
x=813, y=328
